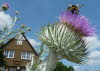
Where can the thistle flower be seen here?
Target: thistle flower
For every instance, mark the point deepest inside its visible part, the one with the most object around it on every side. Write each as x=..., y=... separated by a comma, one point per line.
x=80, y=24
x=5, y=7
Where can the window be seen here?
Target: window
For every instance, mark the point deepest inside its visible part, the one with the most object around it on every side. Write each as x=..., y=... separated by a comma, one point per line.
x=26, y=55
x=23, y=69
x=12, y=69
x=9, y=54
x=19, y=42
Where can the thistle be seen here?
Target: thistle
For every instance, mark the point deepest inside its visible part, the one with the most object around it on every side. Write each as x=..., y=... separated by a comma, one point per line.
x=17, y=12
x=23, y=26
x=80, y=24
x=29, y=29
x=64, y=40
x=5, y=7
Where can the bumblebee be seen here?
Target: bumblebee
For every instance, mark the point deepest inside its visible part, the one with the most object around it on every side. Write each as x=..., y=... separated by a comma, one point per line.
x=74, y=9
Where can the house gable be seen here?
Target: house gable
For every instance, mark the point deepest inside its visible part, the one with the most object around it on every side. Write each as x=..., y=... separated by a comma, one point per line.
x=20, y=37
x=26, y=46
x=18, y=49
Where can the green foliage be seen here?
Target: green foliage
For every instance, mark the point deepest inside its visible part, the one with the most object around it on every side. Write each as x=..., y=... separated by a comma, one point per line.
x=61, y=67
x=2, y=62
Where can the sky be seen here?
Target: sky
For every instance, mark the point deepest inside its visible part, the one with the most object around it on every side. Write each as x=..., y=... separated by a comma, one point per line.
x=36, y=13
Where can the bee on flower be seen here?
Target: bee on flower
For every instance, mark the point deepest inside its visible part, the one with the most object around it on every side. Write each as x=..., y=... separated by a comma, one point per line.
x=74, y=9
x=80, y=24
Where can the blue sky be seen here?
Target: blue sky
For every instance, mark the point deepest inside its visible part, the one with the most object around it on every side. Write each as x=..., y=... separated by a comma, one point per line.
x=36, y=13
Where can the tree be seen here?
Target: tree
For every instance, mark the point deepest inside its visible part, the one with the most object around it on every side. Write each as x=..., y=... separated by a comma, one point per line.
x=61, y=67
x=2, y=62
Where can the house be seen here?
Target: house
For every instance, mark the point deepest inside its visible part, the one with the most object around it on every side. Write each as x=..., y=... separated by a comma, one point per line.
x=18, y=52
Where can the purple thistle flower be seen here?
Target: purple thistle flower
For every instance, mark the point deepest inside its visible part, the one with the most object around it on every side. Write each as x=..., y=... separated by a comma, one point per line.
x=80, y=24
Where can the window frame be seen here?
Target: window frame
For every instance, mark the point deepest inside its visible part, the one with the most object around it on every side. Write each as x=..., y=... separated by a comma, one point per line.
x=19, y=42
x=9, y=53
x=24, y=55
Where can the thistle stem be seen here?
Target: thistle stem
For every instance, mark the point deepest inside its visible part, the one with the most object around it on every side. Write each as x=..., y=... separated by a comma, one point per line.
x=51, y=61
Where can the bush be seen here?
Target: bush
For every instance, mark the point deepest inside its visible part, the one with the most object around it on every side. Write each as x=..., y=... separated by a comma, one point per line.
x=61, y=67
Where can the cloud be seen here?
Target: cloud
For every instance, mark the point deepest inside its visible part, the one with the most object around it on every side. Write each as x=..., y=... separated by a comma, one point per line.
x=94, y=49
x=33, y=42
x=94, y=58
x=93, y=63
x=5, y=21
x=76, y=68
x=93, y=42
x=95, y=54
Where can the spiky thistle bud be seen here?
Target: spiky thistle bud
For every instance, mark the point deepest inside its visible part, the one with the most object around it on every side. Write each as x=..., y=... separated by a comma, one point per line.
x=29, y=29
x=17, y=12
x=22, y=31
x=5, y=7
x=23, y=26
